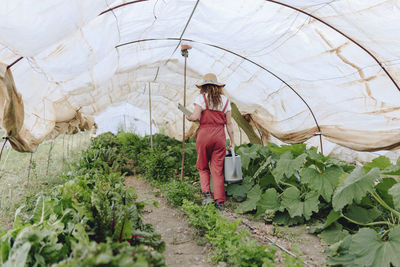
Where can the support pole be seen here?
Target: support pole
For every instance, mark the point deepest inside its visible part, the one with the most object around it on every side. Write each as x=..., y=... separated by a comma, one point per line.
x=185, y=54
x=124, y=123
x=151, y=128
x=49, y=157
x=63, y=149
x=29, y=167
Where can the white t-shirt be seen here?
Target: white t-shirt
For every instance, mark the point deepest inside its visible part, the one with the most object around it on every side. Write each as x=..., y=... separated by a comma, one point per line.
x=199, y=100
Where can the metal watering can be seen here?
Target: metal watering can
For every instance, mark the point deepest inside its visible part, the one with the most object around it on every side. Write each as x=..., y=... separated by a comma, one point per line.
x=232, y=168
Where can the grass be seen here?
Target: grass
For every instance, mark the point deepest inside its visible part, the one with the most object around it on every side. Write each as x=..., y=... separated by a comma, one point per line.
x=16, y=189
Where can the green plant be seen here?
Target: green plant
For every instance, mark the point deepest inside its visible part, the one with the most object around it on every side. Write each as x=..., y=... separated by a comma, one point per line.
x=158, y=166
x=292, y=184
x=176, y=191
x=230, y=244
x=91, y=214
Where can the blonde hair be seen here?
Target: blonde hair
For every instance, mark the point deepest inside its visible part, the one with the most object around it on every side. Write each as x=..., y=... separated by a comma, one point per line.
x=214, y=94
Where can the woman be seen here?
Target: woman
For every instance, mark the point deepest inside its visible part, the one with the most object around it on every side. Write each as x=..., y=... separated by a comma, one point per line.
x=213, y=109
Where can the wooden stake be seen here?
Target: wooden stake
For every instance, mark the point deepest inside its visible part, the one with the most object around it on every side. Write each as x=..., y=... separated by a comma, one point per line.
x=63, y=149
x=183, y=116
x=29, y=167
x=151, y=128
x=49, y=156
x=124, y=123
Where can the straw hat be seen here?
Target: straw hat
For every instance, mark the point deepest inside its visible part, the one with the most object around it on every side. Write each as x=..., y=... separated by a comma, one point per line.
x=209, y=78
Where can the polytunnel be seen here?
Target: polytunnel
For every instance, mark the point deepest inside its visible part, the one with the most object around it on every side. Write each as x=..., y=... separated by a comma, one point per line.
x=322, y=70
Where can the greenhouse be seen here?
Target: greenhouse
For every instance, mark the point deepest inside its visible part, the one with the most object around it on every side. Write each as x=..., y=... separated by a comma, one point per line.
x=99, y=166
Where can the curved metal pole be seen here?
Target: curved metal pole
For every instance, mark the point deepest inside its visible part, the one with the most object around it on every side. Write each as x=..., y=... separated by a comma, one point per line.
x=343, y=34
x=121, y=5
x=15, y=62
x=243, y=57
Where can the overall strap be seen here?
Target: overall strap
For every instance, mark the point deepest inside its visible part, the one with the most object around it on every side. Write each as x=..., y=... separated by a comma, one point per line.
x=205, y=101
x=226, y=105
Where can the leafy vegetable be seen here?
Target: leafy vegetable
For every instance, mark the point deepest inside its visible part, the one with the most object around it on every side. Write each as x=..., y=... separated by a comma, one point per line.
x=269, y=201
x=286, y=165
x=250, y=204
x=394, y=191
x=325, y=182
x=292, y=201
x=370, y=250
x=355, y=187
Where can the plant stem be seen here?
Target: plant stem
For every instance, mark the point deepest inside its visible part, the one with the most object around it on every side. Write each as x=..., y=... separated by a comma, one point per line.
x=366, y=224
x=384, y=204
x=287, y=184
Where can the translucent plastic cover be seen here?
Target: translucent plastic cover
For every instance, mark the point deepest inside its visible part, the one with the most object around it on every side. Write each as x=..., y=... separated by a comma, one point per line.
x=300, y=67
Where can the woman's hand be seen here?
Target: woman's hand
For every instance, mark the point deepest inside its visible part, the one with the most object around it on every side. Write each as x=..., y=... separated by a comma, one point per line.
x=196, y=113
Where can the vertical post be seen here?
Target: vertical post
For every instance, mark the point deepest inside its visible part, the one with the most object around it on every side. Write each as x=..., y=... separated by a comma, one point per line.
x=49, y=156
x=151, y=128
x=29, y=167
x=183, y=120
x=185, y=54
x=63, y=149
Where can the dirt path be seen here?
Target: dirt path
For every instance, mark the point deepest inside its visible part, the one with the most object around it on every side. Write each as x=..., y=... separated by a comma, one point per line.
x=181, y=248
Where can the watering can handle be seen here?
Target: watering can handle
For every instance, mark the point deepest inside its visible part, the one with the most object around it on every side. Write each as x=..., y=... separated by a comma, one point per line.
x=233, y=152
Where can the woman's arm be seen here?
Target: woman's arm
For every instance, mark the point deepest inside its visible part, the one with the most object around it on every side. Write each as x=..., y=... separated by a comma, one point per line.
x=196, y=113
x=229, y=128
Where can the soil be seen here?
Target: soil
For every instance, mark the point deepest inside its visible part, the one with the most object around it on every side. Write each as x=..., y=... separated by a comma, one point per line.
x=181, y=247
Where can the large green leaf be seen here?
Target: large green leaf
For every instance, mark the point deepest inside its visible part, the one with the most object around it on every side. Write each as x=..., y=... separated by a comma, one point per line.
x=381, y=163
x=394, y=191
x=362, y=215
x=269, y=201
x=239, y=191
x=18, y=256
x=392, y=170
x=250, y=204
x=267, y=162
x=324, y=183
x=333, y=216
x=283, y=218
x=247, y=154
x=43, y=209
x=370, y=250
x=355, y=187
x=287, y=166
x=383, y=190
x=296, y=207
x=333, y=234
x=339, y=254
x=267, y=181
x=296, y=149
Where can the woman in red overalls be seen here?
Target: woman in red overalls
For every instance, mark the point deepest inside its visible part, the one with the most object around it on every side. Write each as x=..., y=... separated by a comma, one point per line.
x=213, y=110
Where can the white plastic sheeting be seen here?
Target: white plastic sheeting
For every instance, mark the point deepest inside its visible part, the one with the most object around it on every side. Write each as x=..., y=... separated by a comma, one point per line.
x=126, y=118
x=282, y=61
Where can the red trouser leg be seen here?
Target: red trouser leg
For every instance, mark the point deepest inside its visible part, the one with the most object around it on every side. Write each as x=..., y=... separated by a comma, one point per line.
x=203, y=158
x=217, y=166
x=210, y=146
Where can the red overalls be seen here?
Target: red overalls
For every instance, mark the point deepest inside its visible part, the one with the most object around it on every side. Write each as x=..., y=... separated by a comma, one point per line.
x=211, y=147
